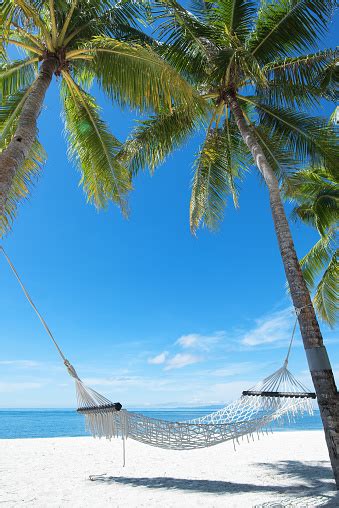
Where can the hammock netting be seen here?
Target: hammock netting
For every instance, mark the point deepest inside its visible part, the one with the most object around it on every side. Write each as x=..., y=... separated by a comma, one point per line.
x=277, y=396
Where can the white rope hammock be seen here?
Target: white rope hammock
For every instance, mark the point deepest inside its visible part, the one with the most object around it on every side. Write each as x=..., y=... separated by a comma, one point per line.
x=277, y=396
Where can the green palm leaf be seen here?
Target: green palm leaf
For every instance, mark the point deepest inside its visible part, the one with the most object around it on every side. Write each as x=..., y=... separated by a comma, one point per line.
x=317, y=197
x=23, y=181
x=93, y=148
x=9, y=112
x=17, y=75
x=307, y=183
x=309, y=138
x=282, y=160
x=218, y=164
x=314, y=262
x=299, y=81
x=93, y=19
x=234, y=17
x=136, y=75
x=187, y=37
x=301, y=69
x=327, y=292
x=285, y=26
x=155, y=138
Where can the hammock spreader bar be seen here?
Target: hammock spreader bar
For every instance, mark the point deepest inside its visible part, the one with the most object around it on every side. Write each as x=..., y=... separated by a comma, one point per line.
x=295, y=395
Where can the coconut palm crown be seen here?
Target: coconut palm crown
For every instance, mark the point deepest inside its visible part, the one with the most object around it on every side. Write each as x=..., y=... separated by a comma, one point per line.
x=259, y=56
x=82, y=44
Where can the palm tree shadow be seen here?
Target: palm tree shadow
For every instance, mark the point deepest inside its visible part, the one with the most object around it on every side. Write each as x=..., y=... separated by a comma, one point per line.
x=316, y=481
x=316, y=476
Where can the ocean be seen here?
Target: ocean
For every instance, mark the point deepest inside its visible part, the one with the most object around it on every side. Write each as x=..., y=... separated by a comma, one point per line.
x=29, y=423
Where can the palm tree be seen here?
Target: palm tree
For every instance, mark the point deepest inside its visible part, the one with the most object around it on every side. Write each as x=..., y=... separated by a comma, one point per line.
x=81, y=43
x=255, y=85
x=316, y=194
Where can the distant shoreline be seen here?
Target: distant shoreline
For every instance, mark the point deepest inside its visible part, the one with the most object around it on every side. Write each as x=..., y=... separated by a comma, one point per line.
x=27, y=423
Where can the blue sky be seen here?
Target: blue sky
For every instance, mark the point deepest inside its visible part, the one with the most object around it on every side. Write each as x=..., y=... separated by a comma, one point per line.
x=148, y=314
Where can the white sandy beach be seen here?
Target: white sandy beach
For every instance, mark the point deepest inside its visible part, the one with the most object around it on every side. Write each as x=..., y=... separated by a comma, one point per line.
x=280, y=470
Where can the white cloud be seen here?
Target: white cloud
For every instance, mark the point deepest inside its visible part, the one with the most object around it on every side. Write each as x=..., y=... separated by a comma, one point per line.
x=6, y=387
x=198, y=341
x=20, y=363
x=234, y=369
x=118, y=381
x=159, y=359
x=182, y=360
x=275, y=327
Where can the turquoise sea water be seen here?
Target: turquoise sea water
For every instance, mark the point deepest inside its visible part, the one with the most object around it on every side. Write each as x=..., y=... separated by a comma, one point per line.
x=26, y=423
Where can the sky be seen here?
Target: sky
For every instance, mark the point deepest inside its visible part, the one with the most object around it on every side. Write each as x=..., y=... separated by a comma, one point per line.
x=148, y=314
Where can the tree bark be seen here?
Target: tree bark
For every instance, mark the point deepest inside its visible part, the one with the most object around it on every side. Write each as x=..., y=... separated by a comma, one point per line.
x=319, y=364
x=19, y=147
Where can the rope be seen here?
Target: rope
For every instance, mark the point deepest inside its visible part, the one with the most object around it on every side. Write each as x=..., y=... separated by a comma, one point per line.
x=297, y=311
x=67, y=364
x=291, y=342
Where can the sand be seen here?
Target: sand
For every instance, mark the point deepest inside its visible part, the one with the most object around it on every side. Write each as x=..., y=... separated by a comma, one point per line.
x=285, y=469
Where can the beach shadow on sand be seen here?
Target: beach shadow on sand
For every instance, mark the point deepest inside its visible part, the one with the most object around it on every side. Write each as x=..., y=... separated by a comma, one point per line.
x=313, y=484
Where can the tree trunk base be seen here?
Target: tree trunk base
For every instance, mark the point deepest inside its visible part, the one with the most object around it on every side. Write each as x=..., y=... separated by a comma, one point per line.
x=328, y=399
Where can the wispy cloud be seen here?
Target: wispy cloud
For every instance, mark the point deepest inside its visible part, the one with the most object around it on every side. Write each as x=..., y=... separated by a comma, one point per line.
x=234, y=369
x=273, y=328
x=117, y=381
x=6, y=387
x=198, y=341
x=20, y=363
x=181, y=360
x=158, y=359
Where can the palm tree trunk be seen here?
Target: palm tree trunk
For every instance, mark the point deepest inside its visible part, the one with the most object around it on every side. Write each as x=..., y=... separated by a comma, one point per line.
x=319, y=364
x=18, y=149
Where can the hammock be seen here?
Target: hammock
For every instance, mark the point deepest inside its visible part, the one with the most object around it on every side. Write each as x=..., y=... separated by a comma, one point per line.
x=277, y=396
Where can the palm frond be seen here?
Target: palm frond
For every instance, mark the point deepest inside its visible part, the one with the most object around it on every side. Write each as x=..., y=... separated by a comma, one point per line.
x=306, y=184
x=17, y=75
x=282, y=160
x=25, y=177
x=186, y=36
x=9, y=112
x=24, y=43
x=29, y=13
x=136, y=75
x=327, y=292
x=218, y=164
x=320, y=211
x=250, y=68
x=329, y=81
x=300, y=81
x=82, y=73
x=326, y=210
x=155, y=138
x=282, y=94
x=316, y=260
x=301, y=69
x=309, y=138
x=235, y=17
x=119, y=20
x=284, y=27
x=93, y=148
